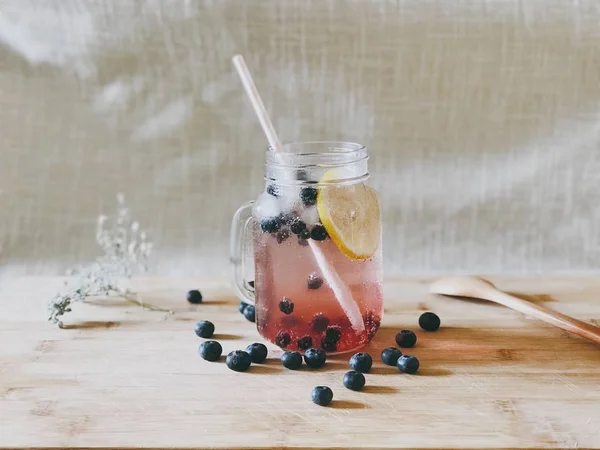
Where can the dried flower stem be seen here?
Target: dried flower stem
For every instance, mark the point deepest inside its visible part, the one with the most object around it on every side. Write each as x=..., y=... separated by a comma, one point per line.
x=135, y=299
x=125, y=252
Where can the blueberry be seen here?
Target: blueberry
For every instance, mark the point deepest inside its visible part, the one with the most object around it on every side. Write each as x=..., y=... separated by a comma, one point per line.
x=269, y=225
x=328, y=345
x=322, y=395
x=250, y=313
x=408, y=364
x=314, y=358
x=258, y=352
x=272, y=190
x=282, y=235
x=251, y=284
x=194, y=297
x=361, y=362
x=242, y=306
x=305, y=235
x=286, y=218
x=429, y=321
x=319, y=323
x=314, y=281
x=238, y=360
x=390, y=356
x=286, y=306
x=291, y=360
x=204, y=329
x=302, y=242
x=297, y=226
x=372, y=323
x=333, y=333
x=318, y=233
x=354, y=380
x=283, y=339
x=210, y=350
x=308, y=196
x=406, y=338
x=304, y=342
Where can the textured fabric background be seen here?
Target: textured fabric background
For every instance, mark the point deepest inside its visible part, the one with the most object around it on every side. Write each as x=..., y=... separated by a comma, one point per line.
x=482, y=117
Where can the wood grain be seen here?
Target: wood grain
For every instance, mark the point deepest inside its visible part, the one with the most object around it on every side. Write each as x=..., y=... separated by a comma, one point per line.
x=122, y=377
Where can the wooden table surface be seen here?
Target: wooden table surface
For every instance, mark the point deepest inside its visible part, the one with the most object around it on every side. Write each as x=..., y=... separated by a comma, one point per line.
x=119, y=376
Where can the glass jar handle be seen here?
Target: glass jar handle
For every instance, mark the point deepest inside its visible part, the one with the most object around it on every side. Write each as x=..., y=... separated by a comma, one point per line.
x=240, y=239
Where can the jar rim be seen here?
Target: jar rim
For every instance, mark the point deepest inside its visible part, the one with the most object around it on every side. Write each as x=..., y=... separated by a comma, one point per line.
x=316, y=153
x=335, y=147
x=316, y=158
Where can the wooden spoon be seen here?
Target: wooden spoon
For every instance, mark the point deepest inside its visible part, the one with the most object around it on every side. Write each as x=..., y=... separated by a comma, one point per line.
x=482, y=289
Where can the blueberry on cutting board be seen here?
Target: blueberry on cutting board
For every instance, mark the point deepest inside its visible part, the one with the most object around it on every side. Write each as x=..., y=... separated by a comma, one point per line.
x=322, y=395
x=210, y=350
x=315, y=358
x=249, y=313
x=291, y=360
x=354, y=380
x=194, y=297
x=238, y=360
x=204, y=329
x=361, y=362
x=408, y=364
x=429, y=321
x=258, y=352
x=406, y=338
x=390, y=356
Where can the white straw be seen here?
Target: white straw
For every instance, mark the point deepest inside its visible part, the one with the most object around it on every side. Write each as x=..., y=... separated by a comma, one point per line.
x=257, y=104
x=340, y=290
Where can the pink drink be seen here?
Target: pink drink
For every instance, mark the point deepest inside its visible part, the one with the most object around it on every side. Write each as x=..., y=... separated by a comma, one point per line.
x=283, y=270
x=315, y=237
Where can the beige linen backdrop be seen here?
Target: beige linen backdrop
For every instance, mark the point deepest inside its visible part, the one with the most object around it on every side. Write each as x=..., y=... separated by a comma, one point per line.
x=482, y=118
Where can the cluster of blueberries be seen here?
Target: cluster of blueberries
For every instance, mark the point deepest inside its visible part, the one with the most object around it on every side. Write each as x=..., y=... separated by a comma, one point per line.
x=282, y=225
x=360, y=363
x=247, y=310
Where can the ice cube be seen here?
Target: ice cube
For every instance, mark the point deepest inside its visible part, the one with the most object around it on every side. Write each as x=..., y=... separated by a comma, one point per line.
x=267, y=206
x=310, y=215
x=289, y=201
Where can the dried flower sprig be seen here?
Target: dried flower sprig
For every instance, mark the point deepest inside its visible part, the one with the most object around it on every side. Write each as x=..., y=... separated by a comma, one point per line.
x=125, y=251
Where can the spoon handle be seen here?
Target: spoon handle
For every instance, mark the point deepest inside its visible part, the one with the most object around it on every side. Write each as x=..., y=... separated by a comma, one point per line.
x=568, y=323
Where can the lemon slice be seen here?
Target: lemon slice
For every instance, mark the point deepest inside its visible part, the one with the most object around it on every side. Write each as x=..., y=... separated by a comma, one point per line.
x=351, y=216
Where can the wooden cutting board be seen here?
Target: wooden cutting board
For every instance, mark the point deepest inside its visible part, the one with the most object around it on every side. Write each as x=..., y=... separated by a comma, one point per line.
x=119, y=376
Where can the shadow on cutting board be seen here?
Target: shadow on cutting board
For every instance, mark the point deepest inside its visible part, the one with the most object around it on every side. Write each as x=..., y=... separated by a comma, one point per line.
x=534, y=343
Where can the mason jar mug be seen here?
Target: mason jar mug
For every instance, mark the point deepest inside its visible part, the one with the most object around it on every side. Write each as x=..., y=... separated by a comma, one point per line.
x=313, y=238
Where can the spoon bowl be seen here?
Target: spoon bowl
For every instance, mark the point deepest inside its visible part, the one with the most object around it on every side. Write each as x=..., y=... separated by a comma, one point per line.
x=471, y=287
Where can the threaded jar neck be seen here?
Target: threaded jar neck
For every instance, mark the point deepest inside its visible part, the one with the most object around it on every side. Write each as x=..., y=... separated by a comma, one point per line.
x=306, y=163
